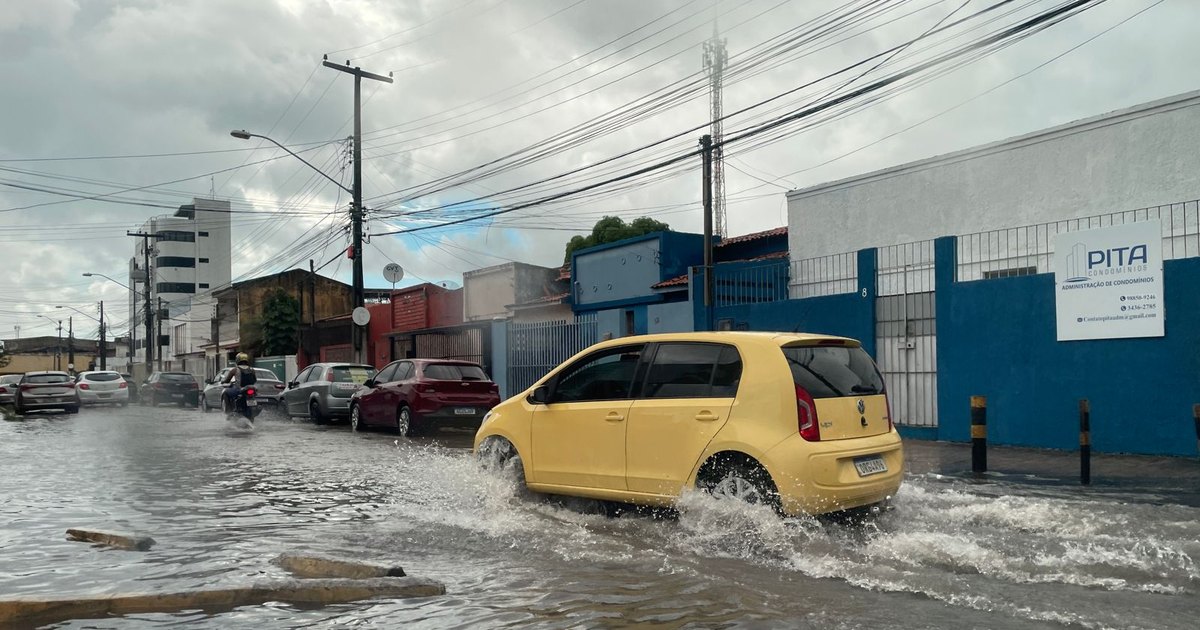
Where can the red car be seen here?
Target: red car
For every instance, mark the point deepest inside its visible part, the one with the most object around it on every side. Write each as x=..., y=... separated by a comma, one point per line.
x=416, y=394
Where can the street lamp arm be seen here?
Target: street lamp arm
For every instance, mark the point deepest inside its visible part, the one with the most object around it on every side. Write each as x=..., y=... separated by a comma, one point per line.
x=81, y=313
x=246, y=135
x=92, y=273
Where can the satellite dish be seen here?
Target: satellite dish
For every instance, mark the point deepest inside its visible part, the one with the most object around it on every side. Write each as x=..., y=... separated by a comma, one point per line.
x=361, y=316
x=393, y=273
x=449, y=284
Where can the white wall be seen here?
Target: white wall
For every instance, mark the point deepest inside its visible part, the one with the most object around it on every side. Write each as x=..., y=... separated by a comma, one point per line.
x=1139, y=157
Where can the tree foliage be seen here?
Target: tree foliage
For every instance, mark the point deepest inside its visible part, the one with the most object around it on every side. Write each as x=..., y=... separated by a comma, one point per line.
x=612, y=229
x=278, y=329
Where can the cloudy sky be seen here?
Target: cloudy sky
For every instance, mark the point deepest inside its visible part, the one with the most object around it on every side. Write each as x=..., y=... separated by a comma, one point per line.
x=132, y=101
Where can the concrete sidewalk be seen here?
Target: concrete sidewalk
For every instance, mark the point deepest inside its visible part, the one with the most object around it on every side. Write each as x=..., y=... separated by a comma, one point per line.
x=1147, y=478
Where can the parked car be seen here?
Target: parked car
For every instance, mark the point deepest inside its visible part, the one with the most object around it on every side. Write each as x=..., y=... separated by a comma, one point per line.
x=270, y=388
x=322, y=391
x=8, y=388
x=413, y=395
x=180, y=388
x=46, y=390
x=102, y=387
x=796, y=421
x=131, y=386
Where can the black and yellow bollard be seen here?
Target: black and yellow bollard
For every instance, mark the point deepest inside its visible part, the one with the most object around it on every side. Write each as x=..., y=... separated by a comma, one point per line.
x=1085, y=442
x=979, y=434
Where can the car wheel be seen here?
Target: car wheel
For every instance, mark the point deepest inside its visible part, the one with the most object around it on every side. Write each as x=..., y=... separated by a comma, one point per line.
x=747, y=482
x=356, y=423
x=404, y=422
x=498, y=456
x=18, y=407
x=204, y=404
x=314, y=413
x=73, y=409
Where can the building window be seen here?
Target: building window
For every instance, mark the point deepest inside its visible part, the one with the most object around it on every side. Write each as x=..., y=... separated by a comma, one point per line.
x=204, y=234
x=203, y=260
x=176, y=235
x=175, y=261
x=1009, y=273
x=203, y=285
x=175, y=287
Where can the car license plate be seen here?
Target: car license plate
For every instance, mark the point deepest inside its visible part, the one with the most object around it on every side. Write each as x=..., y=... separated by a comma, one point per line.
x=176, y=395
x=105, y=395
x=465, y=411
x=870, y=465
x=252, y=403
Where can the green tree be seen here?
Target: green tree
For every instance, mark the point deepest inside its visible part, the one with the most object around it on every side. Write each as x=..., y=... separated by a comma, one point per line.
x=612, y=229
x=279, y=326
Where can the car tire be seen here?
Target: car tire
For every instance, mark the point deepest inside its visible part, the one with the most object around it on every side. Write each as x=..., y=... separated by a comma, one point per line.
x=18, y=407
x=745, y=481
x=404, y=422
x=204, y=404
x=498, y=456
x=314, y=413
x=72, y=410
x=356, y=423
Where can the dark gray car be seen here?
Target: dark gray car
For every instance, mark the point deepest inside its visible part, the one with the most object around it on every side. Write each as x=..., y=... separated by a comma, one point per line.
x=322, y=391
x=270, y=388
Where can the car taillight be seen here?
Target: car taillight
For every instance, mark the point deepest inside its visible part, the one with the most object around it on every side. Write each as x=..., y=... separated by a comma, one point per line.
x=159, y=386
x=250, y=391
x=3, y=390
x=84, y=386
x=123, y=385
x=193, y=386
x=495, y=389
x=26, y=387
x=329, y=376
x=806, y=415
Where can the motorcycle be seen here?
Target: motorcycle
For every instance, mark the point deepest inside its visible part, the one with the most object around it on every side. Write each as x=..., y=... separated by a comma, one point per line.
x=245, y=404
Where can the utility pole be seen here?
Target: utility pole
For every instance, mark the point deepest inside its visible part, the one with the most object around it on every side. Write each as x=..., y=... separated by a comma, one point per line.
x=58, y=349
x=149, y=314
x=715, y=60
x=706, y=147
x=71, y=343
x=356, y=209
x=157, y=338
x=103, y=342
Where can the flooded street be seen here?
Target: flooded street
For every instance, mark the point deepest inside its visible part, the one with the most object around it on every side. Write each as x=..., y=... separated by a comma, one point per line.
x=221, y=504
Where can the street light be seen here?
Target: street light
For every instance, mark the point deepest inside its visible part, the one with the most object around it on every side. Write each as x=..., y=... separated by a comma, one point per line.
x=58, y=348
x=132, y=329
x=242, y=134
x=91, y=317
x=356, y=209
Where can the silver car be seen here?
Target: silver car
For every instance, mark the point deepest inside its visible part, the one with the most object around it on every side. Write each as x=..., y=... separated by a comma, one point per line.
x=46, y=390
x=8, y=388
x=323, y=390
x=270, y=389
x=102, y=387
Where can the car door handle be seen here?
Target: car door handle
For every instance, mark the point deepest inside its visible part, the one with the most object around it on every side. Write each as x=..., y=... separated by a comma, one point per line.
x=614, y=417
x=707, y=416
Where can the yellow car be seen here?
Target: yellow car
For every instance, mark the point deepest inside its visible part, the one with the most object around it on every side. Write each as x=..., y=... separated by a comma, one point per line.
x=796, y=421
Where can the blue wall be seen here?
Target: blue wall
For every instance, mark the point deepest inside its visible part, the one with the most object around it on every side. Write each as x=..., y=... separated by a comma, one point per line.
x=670, y=317
x=997, y=338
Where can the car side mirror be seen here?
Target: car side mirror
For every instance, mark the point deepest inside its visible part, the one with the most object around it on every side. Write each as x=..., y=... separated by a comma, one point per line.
x=369, y=383
x=293, y=385
x=208, y=381
x=540, y=396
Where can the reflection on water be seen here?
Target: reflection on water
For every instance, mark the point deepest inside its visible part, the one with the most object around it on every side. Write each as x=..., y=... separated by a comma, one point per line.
x=222, y=504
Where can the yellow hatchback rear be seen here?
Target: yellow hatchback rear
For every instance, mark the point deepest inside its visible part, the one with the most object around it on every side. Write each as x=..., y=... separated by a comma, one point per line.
x=799, y=422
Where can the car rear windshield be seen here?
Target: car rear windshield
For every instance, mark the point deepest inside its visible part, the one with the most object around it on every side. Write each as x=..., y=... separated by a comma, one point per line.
x=452, y=372
x=103, y=377
x=352, y=374
x=43, y=379
x=265, y=374
x=833, y=372
x=178, y=378
x=11, y=378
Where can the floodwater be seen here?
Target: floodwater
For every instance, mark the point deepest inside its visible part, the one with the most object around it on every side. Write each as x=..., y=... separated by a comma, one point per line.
x=222, y=503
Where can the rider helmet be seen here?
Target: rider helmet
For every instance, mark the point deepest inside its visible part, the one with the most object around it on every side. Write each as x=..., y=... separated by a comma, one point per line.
x=243, y=358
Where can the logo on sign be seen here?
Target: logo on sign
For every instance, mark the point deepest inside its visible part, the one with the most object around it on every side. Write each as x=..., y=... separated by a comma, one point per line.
x=862, y=406
x=1083, y=264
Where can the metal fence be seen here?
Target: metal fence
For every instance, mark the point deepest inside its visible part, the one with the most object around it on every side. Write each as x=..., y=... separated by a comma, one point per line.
x=1029, y=249
x=824, y=275
x=536, y=348
x=765, y=282
x=905, y=268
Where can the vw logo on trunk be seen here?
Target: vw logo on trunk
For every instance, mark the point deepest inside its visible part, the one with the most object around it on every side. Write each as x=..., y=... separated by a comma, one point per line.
x=862, y=406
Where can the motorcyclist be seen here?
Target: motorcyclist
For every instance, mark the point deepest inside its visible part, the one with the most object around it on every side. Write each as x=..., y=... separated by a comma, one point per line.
x=242, y=375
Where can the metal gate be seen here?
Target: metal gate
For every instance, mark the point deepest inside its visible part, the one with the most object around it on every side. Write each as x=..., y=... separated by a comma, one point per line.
x=535, y=348
x=466, y=342
x=906, y=331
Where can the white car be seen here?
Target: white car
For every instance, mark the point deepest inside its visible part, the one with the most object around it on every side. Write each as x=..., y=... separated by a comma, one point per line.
x=102, y=387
